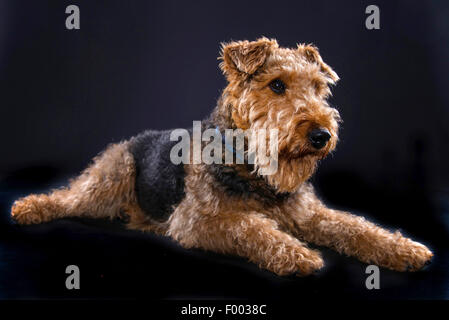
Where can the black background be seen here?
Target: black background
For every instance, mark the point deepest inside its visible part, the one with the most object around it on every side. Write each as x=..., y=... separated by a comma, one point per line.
x=133, y=65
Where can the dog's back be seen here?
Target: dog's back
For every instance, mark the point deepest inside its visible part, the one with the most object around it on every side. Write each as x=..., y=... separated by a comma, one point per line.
x=159, y=182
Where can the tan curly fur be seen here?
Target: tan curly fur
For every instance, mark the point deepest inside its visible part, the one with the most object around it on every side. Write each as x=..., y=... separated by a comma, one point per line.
x=273, y=236
x=104, y=190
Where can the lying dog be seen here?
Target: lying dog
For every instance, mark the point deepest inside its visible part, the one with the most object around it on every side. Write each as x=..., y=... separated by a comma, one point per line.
x=232, y=208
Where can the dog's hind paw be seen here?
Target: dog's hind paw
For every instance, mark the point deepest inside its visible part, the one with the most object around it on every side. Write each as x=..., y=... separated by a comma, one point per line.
x=27, y=211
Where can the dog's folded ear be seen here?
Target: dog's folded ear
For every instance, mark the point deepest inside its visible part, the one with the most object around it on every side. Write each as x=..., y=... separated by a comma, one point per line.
x=243, y=58
x=312, y=55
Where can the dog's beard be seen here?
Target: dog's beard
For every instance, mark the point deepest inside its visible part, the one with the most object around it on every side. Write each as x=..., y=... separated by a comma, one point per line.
x=295, y=163
x=291, y=172
x=292, y=166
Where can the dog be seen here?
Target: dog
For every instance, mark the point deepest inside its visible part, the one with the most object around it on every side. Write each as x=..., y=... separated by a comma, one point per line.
x=232, y=208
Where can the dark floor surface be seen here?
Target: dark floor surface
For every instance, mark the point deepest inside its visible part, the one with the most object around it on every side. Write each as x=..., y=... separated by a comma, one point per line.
x=116, y=263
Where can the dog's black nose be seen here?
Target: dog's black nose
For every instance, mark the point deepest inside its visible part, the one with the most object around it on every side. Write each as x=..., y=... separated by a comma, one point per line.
x=319, y=137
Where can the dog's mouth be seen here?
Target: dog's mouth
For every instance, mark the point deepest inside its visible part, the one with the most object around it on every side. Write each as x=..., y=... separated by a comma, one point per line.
x=299, y=154
x=304, y=149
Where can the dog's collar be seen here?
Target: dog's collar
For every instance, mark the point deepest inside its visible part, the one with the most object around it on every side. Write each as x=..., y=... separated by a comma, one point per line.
x=227, y=146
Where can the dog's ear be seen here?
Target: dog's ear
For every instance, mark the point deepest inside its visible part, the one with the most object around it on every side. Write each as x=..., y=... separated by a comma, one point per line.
x=243, y=58
x=312, y=55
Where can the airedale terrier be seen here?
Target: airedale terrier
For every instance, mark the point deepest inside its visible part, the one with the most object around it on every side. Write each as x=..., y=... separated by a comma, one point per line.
x=231, y=208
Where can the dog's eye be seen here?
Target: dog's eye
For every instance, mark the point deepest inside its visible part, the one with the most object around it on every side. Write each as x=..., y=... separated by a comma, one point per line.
x=277, y=86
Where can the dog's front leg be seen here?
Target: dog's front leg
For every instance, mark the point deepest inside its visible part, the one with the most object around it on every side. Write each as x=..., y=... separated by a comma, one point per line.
x=249, y=235
x=355, y=236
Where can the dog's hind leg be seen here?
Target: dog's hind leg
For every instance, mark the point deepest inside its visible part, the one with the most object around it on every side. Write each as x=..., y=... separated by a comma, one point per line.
x=103, y=189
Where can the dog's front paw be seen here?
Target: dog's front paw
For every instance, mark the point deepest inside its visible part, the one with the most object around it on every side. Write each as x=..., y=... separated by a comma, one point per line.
x=309, y=265
x=296, y=260
x=410, y=256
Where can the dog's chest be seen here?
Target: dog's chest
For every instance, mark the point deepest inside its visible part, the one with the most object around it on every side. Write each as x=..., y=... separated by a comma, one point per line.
x=238, y=183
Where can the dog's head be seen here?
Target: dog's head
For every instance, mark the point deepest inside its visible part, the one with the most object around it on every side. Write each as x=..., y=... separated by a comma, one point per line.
x=285, y=89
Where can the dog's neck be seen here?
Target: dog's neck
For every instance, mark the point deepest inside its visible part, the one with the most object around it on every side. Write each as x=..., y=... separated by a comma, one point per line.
x=238, y=179
x=221, y=116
